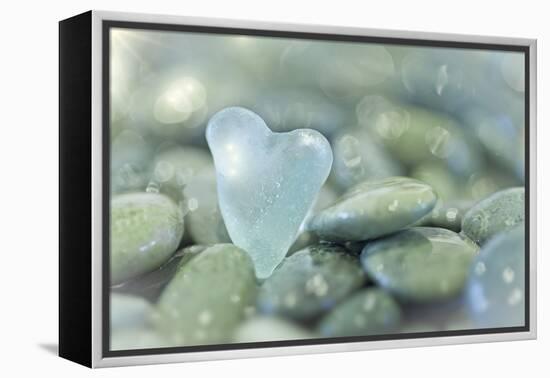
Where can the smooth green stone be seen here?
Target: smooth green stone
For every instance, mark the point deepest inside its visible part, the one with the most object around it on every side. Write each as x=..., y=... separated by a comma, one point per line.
x=146, y=229
x=204, y=220
x=496, y=286
x=264, y=328
x=137, y=338
x=207, y=298
x=358, y=157
x=420, y=264
x=440, y=179
x=151, y=284
x=128, y=311
x=177, y=166
x=310, y=282
x=373, y=209
x=499, y=212
x=446, y=214
x=369, y=312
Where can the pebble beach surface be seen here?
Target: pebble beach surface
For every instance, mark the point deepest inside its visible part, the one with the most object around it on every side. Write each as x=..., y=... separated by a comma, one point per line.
x=266, y=189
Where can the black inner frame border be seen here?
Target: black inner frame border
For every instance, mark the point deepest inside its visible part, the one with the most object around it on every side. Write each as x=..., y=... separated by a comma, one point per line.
x=106, y=150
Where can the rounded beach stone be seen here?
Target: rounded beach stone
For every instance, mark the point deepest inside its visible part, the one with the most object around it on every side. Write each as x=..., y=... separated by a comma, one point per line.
x=207, y=298
x=146, y=229
x=447, y=214
x=420, y=264
x=265, y=328
x=369, y=312
x=500, y=211
x=496, y=286
x=128, y=311
x=374, y=208
x=310, y=282
x=204, y=221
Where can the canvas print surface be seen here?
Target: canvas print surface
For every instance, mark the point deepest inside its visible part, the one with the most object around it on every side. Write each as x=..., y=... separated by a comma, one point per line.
x=285, y=189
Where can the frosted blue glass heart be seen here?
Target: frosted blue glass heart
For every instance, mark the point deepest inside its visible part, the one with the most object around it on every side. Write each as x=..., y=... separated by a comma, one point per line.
x=267, y=182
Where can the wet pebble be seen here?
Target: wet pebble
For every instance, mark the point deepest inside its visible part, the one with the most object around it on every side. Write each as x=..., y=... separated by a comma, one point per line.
x=447, y=214
x=146, y=229
x=310, y=282
x=204, y=220
x=128, y=311
x=374, y=208
x=207, y=298
x=496, y=286
x=369, y=312
x=498, y=212
x=420, y=264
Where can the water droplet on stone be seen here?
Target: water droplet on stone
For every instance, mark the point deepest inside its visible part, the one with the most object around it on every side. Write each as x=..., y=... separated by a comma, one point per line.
x=438, y=140
x=152, y=187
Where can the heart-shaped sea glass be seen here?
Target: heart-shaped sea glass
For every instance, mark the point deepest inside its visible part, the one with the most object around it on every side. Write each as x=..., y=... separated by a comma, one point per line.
x=267, y=182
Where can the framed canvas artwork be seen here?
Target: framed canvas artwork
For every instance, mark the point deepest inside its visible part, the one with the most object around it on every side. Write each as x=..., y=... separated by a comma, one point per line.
x=232, y=189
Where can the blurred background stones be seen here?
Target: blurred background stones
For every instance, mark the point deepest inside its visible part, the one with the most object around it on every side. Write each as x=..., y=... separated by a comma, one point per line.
x=419, y=227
